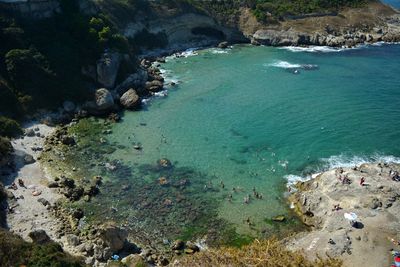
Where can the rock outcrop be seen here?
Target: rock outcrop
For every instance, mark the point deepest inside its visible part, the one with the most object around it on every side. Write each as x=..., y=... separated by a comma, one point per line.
x=103, y=99
x=113, y=236
x=135, y=80
x=107, y=69
x=37, y=9
x=154, y=86
x=130, y=99
x=322, y=203
x=39, y=236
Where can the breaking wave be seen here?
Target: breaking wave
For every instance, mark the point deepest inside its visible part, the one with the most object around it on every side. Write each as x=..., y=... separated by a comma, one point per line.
x=314, y=49
x=337, y=161
x=284, y=65
x=288, y=65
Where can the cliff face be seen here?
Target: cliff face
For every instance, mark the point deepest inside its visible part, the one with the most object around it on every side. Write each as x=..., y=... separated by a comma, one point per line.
x=32, y=8
x=372, y=23
x=185, y=29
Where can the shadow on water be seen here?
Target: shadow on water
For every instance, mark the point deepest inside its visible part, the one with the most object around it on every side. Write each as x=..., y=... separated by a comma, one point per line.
x=157, y=201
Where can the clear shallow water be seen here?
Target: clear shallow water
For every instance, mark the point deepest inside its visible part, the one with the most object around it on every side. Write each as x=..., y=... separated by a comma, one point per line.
x=246, y=119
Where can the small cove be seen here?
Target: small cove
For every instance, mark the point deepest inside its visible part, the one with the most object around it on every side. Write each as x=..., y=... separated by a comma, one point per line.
x=245, y=120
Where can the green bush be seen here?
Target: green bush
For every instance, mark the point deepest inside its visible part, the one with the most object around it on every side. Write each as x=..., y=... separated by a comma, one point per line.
x=281, y=8
x=9, y=103
x=29, y=71
x=5, y=147
x=14, y=251
x=9, y=127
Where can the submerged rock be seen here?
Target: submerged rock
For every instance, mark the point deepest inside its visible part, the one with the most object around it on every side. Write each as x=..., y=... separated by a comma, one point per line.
x=164, y=163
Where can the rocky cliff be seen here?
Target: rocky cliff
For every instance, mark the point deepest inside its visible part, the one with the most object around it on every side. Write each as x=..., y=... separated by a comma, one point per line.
x=373, y=23
x=186, y=29
x=32, y=8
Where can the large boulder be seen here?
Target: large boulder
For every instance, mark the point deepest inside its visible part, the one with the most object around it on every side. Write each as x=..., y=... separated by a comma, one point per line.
x=280, y=38
x=133, y=260
x=39, y=237
x=223, y=45
x=154, y=86
x=103, y=99
x=113, y=236
x=69, y=106
x=130, y=99
x=107, y=69
x=135, y=80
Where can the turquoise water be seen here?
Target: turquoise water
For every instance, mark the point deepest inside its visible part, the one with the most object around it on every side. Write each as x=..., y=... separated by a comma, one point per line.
x=395, y=3
x=254, y=117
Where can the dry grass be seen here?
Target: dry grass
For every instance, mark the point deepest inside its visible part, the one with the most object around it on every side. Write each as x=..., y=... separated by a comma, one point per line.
x=267, y=253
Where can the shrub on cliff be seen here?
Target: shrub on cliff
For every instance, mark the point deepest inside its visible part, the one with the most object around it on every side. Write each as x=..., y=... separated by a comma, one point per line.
x=3, y=194
x=9, y=103
x=29, y=71
x=5, y=148
x=282, y=8
x=267, y=253
x=9, y=127
x=14, y=251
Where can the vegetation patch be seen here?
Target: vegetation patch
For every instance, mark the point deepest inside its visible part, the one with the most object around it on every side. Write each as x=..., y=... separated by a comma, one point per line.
x=268, y=253
x=14, y=251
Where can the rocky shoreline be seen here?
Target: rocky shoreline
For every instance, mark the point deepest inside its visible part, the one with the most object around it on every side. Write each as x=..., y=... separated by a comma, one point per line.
x=371, y=191
x=97, y=243
x=37, y=211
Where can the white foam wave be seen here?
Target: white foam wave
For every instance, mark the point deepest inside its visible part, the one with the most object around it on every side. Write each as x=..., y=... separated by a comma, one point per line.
x=292, y=179
x=145, y=101
x=351, y=161
x=314, y=49
x=340, y=161
x=287, y=65
x=162, y=93
x=328, y=49
x=284, y=65
x=187, y=53
x=219, y=51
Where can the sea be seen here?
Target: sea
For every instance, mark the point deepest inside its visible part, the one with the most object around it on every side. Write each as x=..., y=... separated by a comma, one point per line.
x=237, y=128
